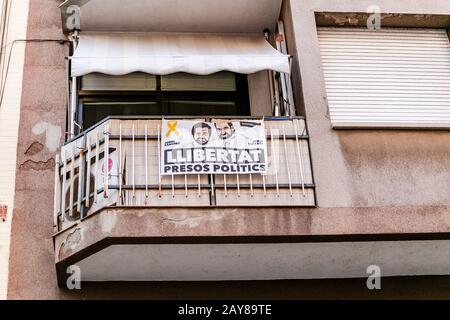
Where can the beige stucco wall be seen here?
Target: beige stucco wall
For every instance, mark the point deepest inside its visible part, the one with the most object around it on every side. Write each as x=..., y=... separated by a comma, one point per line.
x=9, y=125
x=368, y=182
x=373, y=168
x=42, y=121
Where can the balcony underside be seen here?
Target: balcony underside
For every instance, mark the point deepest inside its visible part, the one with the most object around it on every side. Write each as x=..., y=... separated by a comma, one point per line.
x=232, y=16
x=219, y=244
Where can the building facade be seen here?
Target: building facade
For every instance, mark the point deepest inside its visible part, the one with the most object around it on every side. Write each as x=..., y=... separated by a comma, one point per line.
x=355, y=102
x=13, y=29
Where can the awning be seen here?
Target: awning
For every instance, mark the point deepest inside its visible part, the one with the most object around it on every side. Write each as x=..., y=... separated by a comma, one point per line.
x=217, y=16
x=162, y=54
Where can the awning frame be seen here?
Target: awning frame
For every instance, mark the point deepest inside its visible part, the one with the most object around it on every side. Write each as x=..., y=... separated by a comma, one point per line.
x=283, y=80
x=167, y=53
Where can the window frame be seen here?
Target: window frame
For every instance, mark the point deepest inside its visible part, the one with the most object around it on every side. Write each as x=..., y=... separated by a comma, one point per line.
x=240, y=97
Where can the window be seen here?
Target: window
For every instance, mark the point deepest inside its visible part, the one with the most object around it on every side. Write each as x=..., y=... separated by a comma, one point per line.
x=388, y=78
x=180, y=94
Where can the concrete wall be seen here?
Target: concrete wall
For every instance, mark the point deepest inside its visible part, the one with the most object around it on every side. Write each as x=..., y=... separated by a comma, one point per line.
x=375, y=178
x=42, y=121
x=9, y=123
x=373, y=168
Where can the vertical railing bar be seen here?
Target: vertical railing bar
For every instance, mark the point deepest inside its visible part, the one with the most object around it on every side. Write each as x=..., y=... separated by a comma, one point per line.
x=264, y=176
x=213, y=199
x=72, y=180
x=106, y=162
x=159, y=162
x=199, y=186
x=300, y=156
x=251, y=186
x=225, y=185
x=88, y=173
x=97, y=166
x=120, y=166
x=275, y=162
x=146, y=162
x=57, y=195
x=212, y=183
x=264, y=185
x=84, y=176
x=238, y=182
x=64, y=175
x=80, y=180
x=133, y=164
x=186, y=185
x=173, y=186
x=286, y=155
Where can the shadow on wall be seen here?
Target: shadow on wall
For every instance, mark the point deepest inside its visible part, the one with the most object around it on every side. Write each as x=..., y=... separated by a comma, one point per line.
x=397, y=168
x=437, y=287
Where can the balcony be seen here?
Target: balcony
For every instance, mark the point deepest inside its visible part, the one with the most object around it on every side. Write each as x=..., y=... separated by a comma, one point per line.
x=134, y=180
x=131, y=190
x=115, y=215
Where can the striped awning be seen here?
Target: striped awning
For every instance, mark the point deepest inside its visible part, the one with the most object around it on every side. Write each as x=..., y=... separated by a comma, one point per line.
x=167, y=53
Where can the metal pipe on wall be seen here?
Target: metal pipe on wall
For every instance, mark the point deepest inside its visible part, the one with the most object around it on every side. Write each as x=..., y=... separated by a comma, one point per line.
x=73, y=91
x=5, y=8
x=73, y=107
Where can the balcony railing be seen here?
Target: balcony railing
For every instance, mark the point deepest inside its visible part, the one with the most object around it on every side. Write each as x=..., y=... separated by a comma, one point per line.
x=86, y=181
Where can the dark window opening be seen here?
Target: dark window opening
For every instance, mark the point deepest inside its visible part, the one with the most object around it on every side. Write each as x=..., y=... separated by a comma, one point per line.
x=138, y=94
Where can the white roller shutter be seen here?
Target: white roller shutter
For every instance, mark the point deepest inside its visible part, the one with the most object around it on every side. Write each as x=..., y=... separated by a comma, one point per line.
x=394, y=77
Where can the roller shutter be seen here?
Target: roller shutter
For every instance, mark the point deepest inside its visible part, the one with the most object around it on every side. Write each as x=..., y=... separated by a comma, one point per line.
x=397, y=78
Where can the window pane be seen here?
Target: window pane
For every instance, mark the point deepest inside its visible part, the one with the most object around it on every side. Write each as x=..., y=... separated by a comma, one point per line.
x=222, y=81
x=129, y=82
x=97, y=111
x=202, y=108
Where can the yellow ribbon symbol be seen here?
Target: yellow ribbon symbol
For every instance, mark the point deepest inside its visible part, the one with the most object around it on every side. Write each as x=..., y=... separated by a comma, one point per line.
x=172, y=125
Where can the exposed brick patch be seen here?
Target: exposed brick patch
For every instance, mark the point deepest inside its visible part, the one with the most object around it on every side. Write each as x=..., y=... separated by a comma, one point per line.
x=38, y=165
x=3, y=212
x=35, y=148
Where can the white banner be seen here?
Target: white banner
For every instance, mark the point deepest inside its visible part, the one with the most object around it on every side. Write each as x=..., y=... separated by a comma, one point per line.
x=220, y=146
x=98, y=169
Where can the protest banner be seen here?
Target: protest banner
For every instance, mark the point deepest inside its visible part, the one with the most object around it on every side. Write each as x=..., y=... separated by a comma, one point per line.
x=216, y=147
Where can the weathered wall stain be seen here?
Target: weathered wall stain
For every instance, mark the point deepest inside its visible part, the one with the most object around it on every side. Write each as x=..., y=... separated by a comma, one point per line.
x=70, y=244
x=34, y=149
x=191, y=222
x=351, y=19
x=359, y=19
x=397, y=168
x=38, y=165
x=109, y=224
x=52, y=134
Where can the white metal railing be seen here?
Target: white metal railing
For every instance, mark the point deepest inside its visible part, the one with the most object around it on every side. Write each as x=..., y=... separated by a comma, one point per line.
x=86, y=181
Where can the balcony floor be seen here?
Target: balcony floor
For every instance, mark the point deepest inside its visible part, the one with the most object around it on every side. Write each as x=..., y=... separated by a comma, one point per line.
x=212, y=244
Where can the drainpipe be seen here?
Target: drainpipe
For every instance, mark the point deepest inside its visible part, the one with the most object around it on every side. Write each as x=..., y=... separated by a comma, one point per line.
x=73, y=90
x=272, y=80
x=3, y=35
